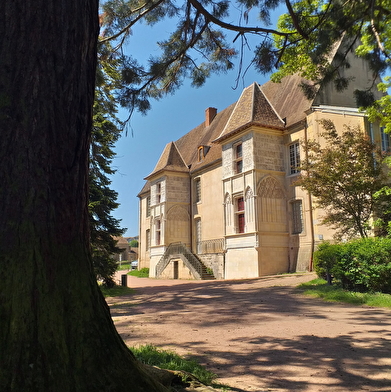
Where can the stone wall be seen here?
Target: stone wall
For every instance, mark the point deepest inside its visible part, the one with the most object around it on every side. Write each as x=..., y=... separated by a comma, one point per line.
x=214, y=261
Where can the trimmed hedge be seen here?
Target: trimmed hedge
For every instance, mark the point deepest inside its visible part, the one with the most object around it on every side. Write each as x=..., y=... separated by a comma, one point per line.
x=360, y=265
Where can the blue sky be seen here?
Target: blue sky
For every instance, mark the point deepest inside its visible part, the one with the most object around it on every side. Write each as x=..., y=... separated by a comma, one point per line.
x=168, y=120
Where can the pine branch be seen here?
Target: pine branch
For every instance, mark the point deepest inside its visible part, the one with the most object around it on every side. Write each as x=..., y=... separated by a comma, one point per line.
x=134, y=21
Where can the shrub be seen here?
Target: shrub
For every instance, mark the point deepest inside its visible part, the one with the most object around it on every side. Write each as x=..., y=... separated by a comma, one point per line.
x=360, y=265
x=326, y=258
x=365, y=265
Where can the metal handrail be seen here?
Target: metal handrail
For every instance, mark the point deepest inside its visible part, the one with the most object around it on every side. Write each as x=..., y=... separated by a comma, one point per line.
x=211, y=246
x=179, y=249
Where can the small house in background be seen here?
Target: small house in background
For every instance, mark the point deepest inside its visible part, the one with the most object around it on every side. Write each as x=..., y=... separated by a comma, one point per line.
x=128, y=253
x=222, y=201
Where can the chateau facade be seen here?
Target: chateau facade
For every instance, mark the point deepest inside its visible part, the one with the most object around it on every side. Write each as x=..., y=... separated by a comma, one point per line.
x=222, y=199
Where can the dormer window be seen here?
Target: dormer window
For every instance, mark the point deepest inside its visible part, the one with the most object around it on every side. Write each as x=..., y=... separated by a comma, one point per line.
x=200, y=153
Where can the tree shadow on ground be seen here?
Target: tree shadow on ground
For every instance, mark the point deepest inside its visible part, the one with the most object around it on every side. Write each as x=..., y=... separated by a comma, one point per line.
x=290, y=345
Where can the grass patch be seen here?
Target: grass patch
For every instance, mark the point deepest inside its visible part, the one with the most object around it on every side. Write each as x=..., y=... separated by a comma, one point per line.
x=115, y=291
x=124, y=265
x=143, y=273
x=320, y=289
x=169, y=360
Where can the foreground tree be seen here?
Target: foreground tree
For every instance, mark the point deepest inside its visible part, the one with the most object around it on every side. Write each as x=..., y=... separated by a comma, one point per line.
x=344, y=175
x=56, y=333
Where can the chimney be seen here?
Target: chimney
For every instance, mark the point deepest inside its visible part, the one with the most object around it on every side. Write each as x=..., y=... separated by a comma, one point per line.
x=210, y=114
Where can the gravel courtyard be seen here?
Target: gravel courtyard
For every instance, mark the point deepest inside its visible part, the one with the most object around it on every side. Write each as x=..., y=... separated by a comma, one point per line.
x=261, y=334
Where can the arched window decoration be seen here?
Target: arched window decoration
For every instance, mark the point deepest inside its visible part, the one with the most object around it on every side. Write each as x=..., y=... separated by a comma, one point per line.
x=177, y=228
x=249, y=199
x=228, y=209
x=272, y=205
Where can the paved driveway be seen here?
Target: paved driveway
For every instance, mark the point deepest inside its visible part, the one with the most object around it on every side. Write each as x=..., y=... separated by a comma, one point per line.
x=261, y=334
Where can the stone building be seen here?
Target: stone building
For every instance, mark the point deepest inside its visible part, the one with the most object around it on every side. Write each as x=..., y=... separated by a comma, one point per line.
x=222, y=198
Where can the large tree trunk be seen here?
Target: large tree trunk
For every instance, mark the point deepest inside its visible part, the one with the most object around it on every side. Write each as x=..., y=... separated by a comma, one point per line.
x=56, y=333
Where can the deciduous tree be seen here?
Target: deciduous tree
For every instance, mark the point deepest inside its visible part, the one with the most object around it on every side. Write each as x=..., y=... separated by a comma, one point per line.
x=343, y=174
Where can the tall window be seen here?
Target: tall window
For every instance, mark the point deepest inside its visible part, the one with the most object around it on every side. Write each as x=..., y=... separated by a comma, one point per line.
x=197, y=190
x=238, y=158
x=239, y=212
x=148, y=239
x=294, y=157
x=158, y=192
x=297, y=217
x=157, y=232
x=385, y=140
x=148, y=208
x=198, y=235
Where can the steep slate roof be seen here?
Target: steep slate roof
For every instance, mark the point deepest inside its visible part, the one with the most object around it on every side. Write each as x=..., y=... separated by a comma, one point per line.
x=252, y=108
x=203, y=136
x=287, y=98
x=171, y=160
x=273, y=105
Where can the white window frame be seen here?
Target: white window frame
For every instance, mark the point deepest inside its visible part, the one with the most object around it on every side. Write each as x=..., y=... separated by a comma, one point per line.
x=385, y=140
x=237, y=159
x=158, y=194
x=148, y=207
x=238, y=213
x=294, y=157
x=197, y=190
x=148, y=239
x=158, y=232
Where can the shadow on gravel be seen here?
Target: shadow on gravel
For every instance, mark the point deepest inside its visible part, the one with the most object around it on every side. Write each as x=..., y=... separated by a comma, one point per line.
x=352, y=361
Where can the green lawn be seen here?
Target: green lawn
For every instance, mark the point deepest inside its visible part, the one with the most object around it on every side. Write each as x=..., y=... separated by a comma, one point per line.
x=320, y=289
x=115, y=291
x=143, y=273
x=169, y=360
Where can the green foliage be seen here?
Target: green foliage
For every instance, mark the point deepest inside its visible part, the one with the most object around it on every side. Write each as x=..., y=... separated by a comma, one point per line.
x=164, y=359
x=315, y=27
x=361, y=265
x=124, y=265
x=102, y=199
x=133, y=244
x=320, y=289
x=142, y=273
x=115, y=291
x=383, y=211
x=325, y=260
x=344, y=174
x=365, y=265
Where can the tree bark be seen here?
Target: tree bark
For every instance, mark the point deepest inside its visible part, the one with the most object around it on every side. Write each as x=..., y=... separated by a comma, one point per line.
x=56, y=333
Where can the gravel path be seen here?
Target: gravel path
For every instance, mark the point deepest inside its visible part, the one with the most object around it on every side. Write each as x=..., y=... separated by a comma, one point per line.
x=261, y=334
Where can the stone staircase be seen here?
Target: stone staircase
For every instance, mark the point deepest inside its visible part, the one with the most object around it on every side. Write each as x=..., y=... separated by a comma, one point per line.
x=178, y=250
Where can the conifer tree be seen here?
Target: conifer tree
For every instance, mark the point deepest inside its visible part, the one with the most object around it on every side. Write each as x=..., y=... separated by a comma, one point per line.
x=102, y=199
